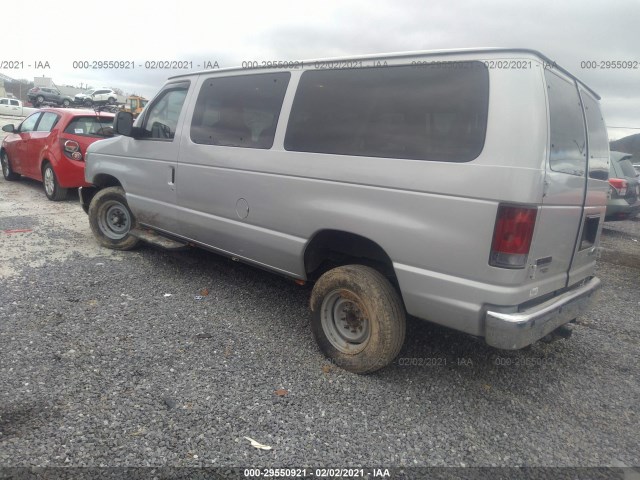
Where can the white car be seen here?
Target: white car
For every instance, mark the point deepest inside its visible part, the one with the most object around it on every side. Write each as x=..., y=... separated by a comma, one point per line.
x=10, y=106
x=97, y=95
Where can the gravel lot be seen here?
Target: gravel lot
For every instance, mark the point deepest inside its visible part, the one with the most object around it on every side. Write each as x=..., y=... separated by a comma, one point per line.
x=154, y=358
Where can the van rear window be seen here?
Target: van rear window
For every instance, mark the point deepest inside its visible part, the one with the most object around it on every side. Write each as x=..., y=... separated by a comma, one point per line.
x=426, y=112
x=598, y=140
x=568, y=152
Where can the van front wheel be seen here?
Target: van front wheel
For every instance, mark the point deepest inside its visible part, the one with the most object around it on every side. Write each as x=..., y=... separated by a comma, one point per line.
x=111, y=220
x=358, y=318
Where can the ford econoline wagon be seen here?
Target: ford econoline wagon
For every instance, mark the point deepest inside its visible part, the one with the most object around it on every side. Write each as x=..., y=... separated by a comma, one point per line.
x=467, y=188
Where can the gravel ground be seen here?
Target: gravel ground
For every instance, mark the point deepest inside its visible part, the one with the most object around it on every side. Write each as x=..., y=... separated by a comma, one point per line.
x=151, y=358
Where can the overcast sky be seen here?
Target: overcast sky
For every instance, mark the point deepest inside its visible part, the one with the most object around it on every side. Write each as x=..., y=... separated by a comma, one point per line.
x=230, y=32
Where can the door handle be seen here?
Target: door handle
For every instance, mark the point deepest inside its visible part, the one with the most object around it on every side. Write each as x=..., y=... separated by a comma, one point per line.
x=172, y=177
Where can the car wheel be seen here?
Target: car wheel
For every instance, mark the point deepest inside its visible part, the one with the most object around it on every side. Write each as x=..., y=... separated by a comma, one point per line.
x=7, y=173
x=111, y=220
x=111, y=101
x=39, y=100
x=358, y=318
x=52, y=188
x=88, y=103
x=66, y=103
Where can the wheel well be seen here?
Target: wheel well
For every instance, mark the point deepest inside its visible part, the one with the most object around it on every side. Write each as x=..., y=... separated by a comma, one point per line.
x=332, y=248
x=103, y=181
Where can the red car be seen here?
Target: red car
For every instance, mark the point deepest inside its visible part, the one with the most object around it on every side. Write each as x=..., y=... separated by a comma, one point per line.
x=49, y=146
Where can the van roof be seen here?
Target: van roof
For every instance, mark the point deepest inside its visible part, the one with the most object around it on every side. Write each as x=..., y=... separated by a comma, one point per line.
x=434, y=53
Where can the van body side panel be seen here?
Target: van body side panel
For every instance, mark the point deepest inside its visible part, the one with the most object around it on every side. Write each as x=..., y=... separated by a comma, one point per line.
x=434, y=219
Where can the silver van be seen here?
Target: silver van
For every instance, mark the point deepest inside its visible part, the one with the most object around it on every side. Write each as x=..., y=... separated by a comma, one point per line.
x=467, y=188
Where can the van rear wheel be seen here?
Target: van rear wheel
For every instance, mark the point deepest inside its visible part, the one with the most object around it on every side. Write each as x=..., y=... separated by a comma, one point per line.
x=358, y=318
x=111, y=219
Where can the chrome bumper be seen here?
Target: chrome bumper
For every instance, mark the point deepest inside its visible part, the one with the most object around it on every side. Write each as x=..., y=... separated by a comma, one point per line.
x=511, y=331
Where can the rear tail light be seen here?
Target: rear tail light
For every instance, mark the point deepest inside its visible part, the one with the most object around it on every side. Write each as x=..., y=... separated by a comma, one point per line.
x=71, y=149
x=512, y=236
x=620, y=185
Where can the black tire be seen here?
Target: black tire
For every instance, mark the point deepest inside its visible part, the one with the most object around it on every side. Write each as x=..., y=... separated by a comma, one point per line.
x=66, y=103
x=111, y=101
x=111, y=219
x=52, y=188
x=87, y=103
x=39, y=100
x=370, y=330
x=7, y=173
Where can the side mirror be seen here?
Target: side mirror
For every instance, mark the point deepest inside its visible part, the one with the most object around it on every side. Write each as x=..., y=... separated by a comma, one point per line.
x=123, y=124
x=9, y=128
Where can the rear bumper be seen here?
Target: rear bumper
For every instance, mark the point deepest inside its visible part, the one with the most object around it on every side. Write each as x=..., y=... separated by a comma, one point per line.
x=511, y=331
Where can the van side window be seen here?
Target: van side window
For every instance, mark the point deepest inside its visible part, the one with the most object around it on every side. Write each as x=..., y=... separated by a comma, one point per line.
x=162, y=119
x=423, y=112
x=598, y=139
x=239, y=111
x=568, y=152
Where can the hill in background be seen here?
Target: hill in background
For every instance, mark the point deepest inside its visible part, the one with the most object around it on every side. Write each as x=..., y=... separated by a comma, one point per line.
x=630, y=144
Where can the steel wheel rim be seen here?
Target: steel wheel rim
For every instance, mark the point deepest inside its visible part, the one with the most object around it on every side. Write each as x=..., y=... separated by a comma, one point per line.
x=49, y=182
x=5, y=166
x=114, y=220
x=345, y=322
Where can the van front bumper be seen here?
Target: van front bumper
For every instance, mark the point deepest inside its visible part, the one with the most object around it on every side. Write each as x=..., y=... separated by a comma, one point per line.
x=86, y=194
x=514, y=330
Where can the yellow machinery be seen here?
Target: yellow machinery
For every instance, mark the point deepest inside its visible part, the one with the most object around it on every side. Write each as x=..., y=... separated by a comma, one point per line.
x=135, y=104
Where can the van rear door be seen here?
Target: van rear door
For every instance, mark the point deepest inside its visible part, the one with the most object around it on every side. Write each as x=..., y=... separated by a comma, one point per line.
x=575, y=186
x=595, y=204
